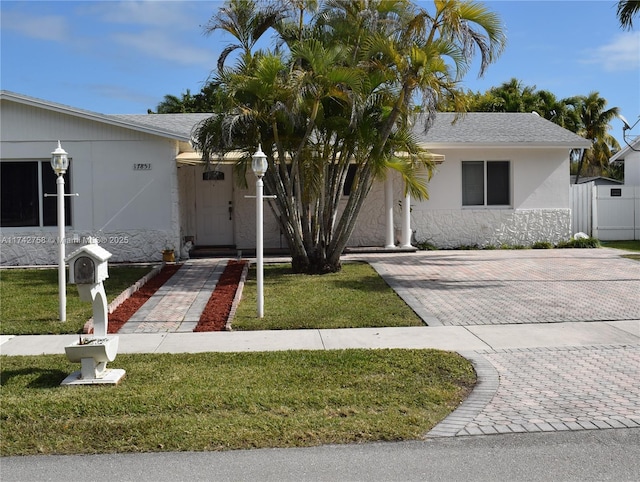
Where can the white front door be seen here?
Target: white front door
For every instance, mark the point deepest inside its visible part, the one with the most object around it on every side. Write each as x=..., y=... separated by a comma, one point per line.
x=214, y=207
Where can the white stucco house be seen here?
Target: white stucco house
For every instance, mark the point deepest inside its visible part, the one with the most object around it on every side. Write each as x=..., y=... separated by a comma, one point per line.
x=502, y=179
x=630, y=157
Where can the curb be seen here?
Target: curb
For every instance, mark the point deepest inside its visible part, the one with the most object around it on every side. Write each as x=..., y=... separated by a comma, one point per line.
x=483, y=392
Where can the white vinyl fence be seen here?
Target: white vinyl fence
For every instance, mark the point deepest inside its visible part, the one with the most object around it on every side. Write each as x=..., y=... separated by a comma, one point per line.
x=581, y=201
x=609, y=213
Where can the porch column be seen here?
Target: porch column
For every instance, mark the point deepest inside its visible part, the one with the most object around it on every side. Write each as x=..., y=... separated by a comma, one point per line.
x=388, y=207
x=406, y=222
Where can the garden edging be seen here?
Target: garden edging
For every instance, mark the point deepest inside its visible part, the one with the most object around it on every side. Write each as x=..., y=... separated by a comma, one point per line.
x=237, y=297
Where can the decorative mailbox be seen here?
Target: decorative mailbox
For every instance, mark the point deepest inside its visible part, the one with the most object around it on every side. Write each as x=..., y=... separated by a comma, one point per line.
x=88, y=265
x=88, y=269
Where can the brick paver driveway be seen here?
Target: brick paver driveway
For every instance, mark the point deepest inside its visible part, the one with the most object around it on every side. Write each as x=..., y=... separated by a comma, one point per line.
x=516, y=286
x=538, y=389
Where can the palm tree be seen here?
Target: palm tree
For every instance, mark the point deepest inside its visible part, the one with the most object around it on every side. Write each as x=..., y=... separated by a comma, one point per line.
x=594, y=120
x=172, y=104
x=626, y=11
x=337, y=96
x=246, y=21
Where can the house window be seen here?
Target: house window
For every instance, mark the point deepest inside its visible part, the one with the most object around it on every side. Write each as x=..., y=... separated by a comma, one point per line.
x=486, y=183
x=348, y=181
x=23, y=186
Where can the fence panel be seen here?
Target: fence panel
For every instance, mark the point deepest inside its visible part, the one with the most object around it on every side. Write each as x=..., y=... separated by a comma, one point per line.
x=616, y=213
x=580, y=200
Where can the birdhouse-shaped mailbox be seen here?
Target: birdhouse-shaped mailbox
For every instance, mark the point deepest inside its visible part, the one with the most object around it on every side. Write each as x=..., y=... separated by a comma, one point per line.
x=88, y=265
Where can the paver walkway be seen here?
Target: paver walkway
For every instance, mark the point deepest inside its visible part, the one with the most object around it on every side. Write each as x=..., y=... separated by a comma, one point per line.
x=178, y=304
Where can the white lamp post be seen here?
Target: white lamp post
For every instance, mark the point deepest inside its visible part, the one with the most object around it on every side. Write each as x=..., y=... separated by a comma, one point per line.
x=60, y=163
x=259, y=165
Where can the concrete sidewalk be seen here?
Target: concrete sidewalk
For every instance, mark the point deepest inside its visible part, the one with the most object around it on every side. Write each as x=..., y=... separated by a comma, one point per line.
x=453, y=338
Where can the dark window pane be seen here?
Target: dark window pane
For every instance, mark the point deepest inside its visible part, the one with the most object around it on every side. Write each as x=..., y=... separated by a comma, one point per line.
x=19, y=197
x=498, y=183
x=348, y=182
x=213, y=176
x=49, y=203
x=473, y=183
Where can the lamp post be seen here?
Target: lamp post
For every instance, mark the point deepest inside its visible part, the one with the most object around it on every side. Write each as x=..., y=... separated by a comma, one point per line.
x=259, y=165
x=60, y=163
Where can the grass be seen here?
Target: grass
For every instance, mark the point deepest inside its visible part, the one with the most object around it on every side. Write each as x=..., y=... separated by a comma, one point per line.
x=29, y=300
x=355, y=297
x=219, y=401
x=626, y=245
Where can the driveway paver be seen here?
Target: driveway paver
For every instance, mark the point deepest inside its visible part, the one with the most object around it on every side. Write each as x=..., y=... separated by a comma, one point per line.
x=550, y=390
x=515, y=286
x=543, y=371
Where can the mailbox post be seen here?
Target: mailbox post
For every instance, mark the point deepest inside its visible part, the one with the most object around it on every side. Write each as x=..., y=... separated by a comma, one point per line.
x=88, y=269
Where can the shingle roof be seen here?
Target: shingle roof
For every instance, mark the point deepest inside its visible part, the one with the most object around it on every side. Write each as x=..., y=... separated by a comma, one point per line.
x=180, y=124
x=499, y=129
x=474, y=129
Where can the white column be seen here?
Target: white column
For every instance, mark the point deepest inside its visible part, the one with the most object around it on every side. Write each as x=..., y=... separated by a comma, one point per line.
x=259, y=249
x=62, y=282
x=406, y=222
x=388, y=207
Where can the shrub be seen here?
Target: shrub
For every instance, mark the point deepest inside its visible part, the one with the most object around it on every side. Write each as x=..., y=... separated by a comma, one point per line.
x=512, y=246
x=542, y=245
x=580, y=243
x=426, y=246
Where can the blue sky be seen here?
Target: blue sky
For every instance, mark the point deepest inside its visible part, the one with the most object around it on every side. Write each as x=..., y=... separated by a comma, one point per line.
x=124, y=56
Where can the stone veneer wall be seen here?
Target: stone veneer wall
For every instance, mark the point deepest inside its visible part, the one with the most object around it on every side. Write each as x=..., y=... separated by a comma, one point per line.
x=491, y=227
x=40, y=247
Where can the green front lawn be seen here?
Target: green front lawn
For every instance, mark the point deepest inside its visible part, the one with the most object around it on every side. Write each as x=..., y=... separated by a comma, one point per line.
x=29, y=300
x=218, y=401
x=626, y=245
x=355, y=297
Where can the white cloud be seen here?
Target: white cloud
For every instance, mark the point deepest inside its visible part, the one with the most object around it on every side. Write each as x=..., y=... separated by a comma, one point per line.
x=621, y=54
x=170, y=14
x=113, y=91
x=162, y=44
x=47, y=27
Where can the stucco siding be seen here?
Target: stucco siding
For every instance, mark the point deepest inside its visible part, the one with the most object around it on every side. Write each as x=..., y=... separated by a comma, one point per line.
x=632, y=169
x=539, y=211
x=482, y=228
x=39, y=247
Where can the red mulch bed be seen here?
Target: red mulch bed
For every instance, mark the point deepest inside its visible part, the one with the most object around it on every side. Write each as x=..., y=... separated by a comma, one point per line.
x=216, y=312
x=123, y=312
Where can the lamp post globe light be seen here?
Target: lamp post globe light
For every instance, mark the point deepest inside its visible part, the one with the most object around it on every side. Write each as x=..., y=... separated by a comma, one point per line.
x=60, y=164
x=259, y=165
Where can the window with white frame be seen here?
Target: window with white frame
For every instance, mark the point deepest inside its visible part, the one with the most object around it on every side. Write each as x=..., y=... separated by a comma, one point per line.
x=486, y=183
x=23, y=185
